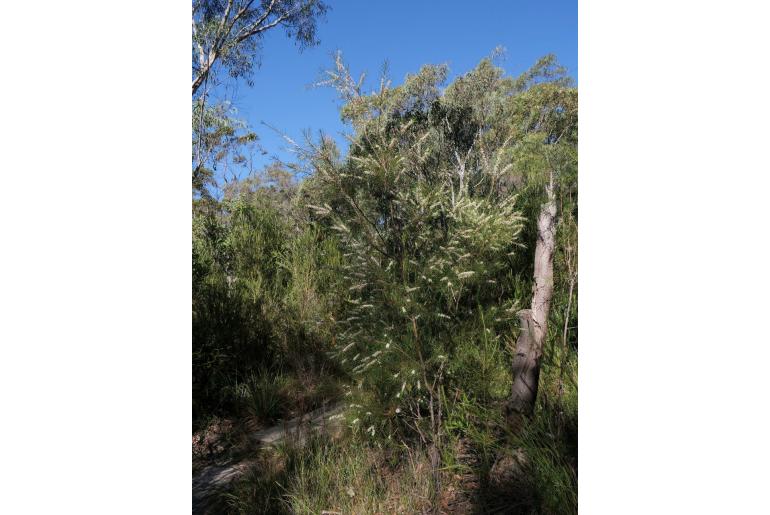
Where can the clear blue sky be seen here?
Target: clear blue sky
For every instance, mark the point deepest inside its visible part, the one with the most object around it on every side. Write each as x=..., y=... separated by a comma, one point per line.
x=407, y=34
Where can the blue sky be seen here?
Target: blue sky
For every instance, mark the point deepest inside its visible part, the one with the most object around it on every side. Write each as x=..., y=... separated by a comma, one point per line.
x=407, y=34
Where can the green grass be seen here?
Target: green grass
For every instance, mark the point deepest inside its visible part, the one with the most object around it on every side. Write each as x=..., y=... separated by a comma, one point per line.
x=362, y=474
x=268, y=396
x=260, y=395
x=348, y=476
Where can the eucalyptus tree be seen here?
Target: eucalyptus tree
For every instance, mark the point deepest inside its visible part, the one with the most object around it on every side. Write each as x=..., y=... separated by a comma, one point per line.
x=228, y=33
x=227, y=36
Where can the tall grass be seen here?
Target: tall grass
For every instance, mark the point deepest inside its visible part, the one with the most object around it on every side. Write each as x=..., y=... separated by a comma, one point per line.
x=348, y=476
x=261, y=394
x=263, y=293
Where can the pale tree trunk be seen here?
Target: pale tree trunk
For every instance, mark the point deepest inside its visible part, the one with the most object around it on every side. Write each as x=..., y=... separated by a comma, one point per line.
x=534, y=321
x=204, y=72
x=198, y=81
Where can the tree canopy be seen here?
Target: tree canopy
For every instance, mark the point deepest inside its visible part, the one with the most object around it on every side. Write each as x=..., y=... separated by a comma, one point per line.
x=397, y=274
x=228, y=33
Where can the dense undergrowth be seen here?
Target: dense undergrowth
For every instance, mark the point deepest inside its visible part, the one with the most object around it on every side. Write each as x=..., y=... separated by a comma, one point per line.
x=390, y=279
x=261, y=302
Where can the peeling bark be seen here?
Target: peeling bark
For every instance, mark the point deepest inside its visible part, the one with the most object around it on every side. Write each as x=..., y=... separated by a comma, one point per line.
x=544, y=252
x=526, y=369
x=534, y=321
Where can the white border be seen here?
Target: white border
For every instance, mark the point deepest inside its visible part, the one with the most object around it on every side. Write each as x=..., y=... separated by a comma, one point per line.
x=95, y=318
x=673, y=257
x=95, y=371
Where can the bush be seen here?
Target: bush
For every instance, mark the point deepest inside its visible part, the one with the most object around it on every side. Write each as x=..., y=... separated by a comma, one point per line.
x=262, y=295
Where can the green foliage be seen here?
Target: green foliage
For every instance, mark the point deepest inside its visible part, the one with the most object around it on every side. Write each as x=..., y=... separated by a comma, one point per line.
x=344, y=476
x=220, y=142
x=390, y=277
x=427, y=214
x=262, y=295
x=229, y=34
x=476, y=420
x=261, y=394
x=547, y=479
x=550, y=444
x=481, y=365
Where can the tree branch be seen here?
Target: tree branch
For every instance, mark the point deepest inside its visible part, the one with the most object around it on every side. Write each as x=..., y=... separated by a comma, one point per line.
x=256, y=30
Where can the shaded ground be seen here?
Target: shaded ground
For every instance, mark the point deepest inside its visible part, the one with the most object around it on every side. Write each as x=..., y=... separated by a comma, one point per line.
x=242, y=473
x=229, y=456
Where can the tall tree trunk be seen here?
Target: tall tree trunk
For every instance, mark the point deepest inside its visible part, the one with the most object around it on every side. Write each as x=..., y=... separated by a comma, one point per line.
x=534, y=321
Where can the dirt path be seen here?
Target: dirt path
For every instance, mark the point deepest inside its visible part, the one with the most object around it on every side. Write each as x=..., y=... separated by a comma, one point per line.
x=213, y=478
